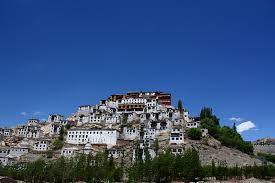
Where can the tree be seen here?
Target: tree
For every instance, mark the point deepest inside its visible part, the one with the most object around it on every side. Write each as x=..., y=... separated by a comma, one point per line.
x=124, y=119
x=194, y=133
x=267, y=157
x=191, y=165
x=231, y=138
x=207, y=113
x=156, y=146
x=57, y=144
x=163, y=167
x=227, y=136
x=180, y=105
x=234, y=127
x=209, y=124
x=210, y=121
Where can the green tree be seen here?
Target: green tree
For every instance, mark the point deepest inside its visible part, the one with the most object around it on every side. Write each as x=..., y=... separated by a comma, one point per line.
x=267, y=157
x=57, y=144
x=191, y=165
x=207, y=113
x=194, y=133
x=210, y=121
x=61, y=133
x=230, y=138
x=180, y=105
x=234, y=127
x=163, y=167
x=156, y=146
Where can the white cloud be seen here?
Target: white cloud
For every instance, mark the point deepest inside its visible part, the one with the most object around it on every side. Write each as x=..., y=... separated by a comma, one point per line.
x=235, y=119
x=245, y=126
x=36, y=113
x=23, y=113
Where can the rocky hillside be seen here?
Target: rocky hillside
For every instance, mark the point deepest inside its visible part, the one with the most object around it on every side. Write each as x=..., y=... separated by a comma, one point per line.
x=211, y=149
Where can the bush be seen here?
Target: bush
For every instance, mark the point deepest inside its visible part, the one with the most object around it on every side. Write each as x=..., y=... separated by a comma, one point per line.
x=58, y=144
x=227, y=136
x=230, y=138
x=267, y=157
x=194, y=133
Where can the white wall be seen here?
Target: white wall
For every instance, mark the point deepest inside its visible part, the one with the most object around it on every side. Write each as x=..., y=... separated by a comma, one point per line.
x=83, y=136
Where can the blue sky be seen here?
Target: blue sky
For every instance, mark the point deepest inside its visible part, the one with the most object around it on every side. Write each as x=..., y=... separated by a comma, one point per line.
x=56, y=55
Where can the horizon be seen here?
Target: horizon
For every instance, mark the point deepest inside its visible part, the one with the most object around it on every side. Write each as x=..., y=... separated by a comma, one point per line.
x=58, y=55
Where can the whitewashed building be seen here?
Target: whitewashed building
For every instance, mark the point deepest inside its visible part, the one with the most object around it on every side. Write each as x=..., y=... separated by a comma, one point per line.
x=18, y=151
x=8, y=132
x=6, y=160
x=130, y=133
x=94, y=136
x=193, y=124
x=33, y=122
x=177, y=136
x=55, y=128
x=69, y=151
x=55, y=118
x=115, y=152
x=28, y=131
x=41, y=145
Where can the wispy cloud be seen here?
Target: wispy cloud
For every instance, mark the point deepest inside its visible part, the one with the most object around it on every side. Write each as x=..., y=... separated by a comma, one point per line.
x=36, y=113
x=245, y=126
x=23, y=114
x=235, y=119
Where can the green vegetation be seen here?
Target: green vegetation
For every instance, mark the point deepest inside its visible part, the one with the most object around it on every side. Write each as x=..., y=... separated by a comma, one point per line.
x=210, y=121
x=164, y=168
x=233, y=139
x=267, y=157
x=57, y=144
x=82, y=168
x=194, y=133
x=124, y=120
x=180, y=105
x=227, y=136
x=61, y=133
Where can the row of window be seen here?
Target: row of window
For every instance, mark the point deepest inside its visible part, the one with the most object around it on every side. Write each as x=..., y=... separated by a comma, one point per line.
x=123, y=101
x=19, y=150
x=191, y=124
x=89, y=132
x=177, y=150
x=44, y=149
x=176, y=138
x=130, y=106
x=101, y=140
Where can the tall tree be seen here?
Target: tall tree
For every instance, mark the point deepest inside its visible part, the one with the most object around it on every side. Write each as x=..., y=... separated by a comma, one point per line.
x=180, y=105
x=234, y=127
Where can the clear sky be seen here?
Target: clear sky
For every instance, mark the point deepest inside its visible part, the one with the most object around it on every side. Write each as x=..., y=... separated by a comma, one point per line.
x=56, y=55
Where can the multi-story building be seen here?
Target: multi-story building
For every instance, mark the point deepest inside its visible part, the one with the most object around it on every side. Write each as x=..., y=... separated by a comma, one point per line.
x=41, y=145
x=55, y=118
x=177, y=135
x=93, y=136
x=28, y=131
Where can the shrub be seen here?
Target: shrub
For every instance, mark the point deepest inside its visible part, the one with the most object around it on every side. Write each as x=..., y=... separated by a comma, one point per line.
x=194, y=133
